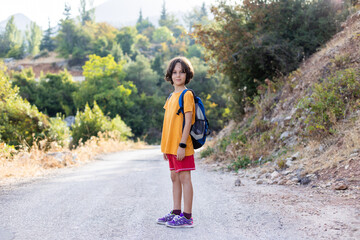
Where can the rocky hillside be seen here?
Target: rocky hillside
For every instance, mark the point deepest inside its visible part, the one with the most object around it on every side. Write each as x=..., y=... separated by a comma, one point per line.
x=304, y=128
x=49, y=63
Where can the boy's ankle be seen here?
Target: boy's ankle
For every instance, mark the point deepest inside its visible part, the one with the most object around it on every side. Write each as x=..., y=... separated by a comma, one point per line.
x=176, y=212
x=187, y=215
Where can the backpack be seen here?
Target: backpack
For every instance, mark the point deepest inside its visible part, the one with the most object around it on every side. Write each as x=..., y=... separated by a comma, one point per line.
x=200, y=129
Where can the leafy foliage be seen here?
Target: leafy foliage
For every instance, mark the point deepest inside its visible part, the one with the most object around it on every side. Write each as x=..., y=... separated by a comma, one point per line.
x=126, y=39
x=21, y=123
x=47, y=42
x=105, y=84
x=52, y=94
x=241, y=162
x=141, y=74
x=73, y=41
x=331, y=100
x=207, y=152
x=92, y=121
x=33, y=38
x=264, y=39
x=162, y=34
x=124, y=70
x=59, y=131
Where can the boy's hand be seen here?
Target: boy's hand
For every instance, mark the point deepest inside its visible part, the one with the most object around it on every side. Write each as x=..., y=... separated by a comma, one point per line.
x=180, y=154
x=165, y=157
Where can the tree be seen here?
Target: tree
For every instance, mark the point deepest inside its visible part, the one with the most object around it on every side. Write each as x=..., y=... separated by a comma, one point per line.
x=33, y=37
x=179, y=31
x=162, y=34
x=142, y=42
x=126, y=39
x=4, y=45
x=211, y=92
x=25, y=81
x=67, y=9
x=268, y=38
x=104, y=83
x=203, y=11
x=140, y=19
x=52, y=94
x=164, y=15
x=116, y=52
x=21, y=123
x=167, y=20
x=55, y=94
x=12, y=34
x=86, y=15
x=148, y=31
x=141, y=74
x=196, y=16
x=47, y=41
x=145, y=118
x=143, y=25
x=73, y=41
x=195, y=50
x=12, y=41
x=66, y=38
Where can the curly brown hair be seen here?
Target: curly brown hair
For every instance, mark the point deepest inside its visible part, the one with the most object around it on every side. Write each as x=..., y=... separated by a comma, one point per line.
x=185, y=65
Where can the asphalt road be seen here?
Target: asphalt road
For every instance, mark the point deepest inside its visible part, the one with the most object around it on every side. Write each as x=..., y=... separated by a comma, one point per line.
x=121, y=196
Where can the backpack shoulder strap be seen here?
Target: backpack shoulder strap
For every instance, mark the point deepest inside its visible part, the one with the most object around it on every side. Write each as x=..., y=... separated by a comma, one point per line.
x=181, y=102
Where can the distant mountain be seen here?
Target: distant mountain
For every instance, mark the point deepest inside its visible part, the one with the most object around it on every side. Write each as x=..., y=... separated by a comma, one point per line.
x=21, y=21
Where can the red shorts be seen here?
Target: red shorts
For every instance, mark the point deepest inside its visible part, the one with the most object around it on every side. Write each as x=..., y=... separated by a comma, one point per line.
x=187, y=164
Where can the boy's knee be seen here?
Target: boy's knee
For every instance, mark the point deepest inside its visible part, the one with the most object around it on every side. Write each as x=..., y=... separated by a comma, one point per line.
x=174, y=176
x=185, y=177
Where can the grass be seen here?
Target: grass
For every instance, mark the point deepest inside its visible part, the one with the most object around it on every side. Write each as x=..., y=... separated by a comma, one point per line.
x=208, y=151
x=241, y=162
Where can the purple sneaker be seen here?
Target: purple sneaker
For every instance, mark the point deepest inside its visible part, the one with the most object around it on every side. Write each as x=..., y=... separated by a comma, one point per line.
x=180, y=221
x=168, y=217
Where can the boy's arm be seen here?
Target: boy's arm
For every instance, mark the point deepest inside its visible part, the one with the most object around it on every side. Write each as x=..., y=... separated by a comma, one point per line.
x=185, y=135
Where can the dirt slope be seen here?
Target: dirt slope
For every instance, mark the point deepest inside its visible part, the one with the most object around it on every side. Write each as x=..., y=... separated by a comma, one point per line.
x=330, y=162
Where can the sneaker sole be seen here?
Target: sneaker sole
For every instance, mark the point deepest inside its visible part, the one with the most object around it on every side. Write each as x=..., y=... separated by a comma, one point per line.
x=161, y=223
x=181, y=226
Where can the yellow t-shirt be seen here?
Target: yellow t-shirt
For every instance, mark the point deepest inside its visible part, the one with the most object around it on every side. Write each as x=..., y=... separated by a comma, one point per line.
x=173, y=123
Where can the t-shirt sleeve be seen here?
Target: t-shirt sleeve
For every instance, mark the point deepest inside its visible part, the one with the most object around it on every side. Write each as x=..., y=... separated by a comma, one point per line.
x=166, y=103
x=189, y=104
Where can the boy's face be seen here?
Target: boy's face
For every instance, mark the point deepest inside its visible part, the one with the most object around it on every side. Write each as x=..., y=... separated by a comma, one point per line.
x=178, y=75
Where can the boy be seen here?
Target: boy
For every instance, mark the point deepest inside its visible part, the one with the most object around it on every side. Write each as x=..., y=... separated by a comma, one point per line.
x=176, y=143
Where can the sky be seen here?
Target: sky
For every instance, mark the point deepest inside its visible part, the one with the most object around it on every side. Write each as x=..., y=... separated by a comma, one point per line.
x=42, y=10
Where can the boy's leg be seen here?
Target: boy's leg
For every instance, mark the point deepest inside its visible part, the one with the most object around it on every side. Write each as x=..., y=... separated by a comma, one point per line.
x=185, y=179
x=177, y=190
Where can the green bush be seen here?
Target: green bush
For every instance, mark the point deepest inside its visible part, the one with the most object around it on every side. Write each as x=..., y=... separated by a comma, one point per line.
x=206, y=152
x=92, y=121
x=224, y=143
x=242, y=162
x=59, y=131
x=121, y=130
x=331, y=100
x=20, y=123
x=52, y=94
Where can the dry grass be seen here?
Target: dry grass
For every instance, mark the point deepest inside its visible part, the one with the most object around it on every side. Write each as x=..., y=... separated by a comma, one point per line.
x=337, y=148
x=35, y=161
